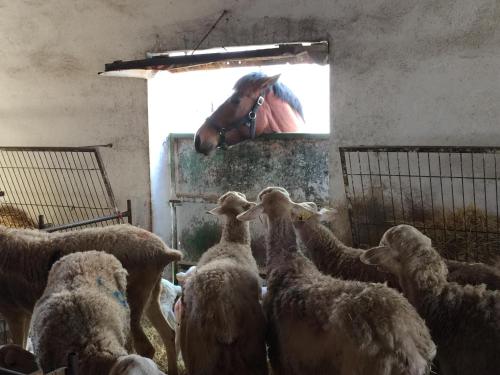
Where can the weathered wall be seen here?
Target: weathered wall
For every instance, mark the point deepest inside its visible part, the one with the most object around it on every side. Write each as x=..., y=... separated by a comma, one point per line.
x=404, y=71
x=298, y=162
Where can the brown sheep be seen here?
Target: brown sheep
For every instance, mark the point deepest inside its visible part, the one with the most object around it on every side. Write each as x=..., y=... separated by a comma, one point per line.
x=222, y=326
x=83, y=310
x=322, y=325
x=464, y=320
x=26, y=257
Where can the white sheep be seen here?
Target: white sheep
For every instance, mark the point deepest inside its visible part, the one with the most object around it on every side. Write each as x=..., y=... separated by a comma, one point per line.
x=84, y=310
x=26, y=257
x=464, y=320
x=334, y=258
x=222, y=326
x=168, y=296
x=329, y=254
x=322, y=325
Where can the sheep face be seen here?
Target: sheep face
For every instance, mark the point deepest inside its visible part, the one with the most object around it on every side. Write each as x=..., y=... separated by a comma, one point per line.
x=276, y=202
x=397, y=246
x=231, y=203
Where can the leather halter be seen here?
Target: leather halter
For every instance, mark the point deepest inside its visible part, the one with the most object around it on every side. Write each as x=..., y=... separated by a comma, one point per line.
x=248, y=120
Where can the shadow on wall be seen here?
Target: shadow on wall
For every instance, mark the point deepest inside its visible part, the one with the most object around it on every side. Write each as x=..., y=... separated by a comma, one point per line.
x=466, y=234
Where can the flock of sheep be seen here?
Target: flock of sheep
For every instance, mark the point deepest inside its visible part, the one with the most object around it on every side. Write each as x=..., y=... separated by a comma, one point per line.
x=398, y=308
x=72, y=299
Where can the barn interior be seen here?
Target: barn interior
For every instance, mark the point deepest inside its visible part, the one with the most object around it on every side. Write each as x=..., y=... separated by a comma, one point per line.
x=98, y=128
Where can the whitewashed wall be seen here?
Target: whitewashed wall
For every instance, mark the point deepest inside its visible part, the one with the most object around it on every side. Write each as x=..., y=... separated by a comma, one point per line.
x=404, y=71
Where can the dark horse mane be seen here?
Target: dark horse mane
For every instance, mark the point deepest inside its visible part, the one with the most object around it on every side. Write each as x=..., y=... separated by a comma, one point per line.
x=279, y=89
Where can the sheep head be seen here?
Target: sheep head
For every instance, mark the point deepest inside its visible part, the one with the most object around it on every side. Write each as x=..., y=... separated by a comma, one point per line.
x=134, y=364
x=275, y=202
x=397, y=247
x=231, y=203
x=309, y=212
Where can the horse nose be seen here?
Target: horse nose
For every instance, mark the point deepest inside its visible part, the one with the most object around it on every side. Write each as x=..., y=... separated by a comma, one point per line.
x=204, y=147
x=197, y=143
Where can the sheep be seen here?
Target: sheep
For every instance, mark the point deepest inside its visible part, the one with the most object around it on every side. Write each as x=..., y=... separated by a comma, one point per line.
x=83, y=310
x=222, y=326
x=330, y=255
x=322, y=325
x=473, y=273
x=169, y=294
x=15, y=358
x=134, y=364
x=464, y=320
x=334, y=258
x=26, y=257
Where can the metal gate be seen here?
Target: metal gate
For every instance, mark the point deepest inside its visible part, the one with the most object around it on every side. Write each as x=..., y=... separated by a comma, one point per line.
x=60, y=184
x=449, y=193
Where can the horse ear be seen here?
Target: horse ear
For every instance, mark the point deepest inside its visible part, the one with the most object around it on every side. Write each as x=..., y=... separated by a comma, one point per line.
x=268, y=81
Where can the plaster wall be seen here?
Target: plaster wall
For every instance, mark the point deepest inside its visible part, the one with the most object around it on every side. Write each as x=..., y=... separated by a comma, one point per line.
x=403, y=71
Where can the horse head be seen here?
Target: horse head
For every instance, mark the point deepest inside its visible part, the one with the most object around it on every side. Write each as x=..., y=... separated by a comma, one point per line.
x=247, y=113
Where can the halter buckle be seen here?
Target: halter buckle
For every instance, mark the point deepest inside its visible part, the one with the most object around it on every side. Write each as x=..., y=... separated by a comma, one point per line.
x=260, y=100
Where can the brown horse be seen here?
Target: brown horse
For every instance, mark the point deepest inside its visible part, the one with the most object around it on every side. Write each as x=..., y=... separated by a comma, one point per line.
x=259, y=105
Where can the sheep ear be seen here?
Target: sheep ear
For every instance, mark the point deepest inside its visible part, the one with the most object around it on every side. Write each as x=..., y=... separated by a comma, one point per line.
x=251, y=214
x=303, y=211
x=215, y=211
x=376, y=256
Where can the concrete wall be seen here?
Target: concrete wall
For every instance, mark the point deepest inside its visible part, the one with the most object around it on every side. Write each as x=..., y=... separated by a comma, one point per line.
x=404, y=71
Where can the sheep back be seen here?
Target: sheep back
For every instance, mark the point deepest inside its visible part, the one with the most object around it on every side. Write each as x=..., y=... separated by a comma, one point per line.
x=473, y=273
x=82, y=310
x=369, y=319
x=222, y=324
x=26, y=256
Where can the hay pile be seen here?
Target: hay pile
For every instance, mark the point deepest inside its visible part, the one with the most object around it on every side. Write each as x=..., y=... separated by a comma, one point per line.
x=14, y=217
x=465, y=234
x=160, y=354
x=468, y=235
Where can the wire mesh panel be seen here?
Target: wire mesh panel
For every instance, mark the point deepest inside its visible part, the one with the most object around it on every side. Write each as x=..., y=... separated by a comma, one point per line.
x=449, y=193
x=65, y=184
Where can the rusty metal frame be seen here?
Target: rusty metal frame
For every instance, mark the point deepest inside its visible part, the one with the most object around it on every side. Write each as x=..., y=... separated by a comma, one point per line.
x=310, y=52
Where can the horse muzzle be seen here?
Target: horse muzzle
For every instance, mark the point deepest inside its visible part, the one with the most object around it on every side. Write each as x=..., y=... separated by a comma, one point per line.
x=203, y=147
